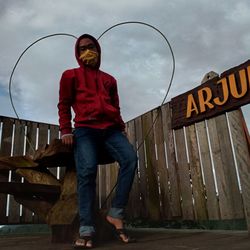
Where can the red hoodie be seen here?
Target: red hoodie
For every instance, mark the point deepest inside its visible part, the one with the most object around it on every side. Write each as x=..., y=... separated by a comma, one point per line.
x=91, y=93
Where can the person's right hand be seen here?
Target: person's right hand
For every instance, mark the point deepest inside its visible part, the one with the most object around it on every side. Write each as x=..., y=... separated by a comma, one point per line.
x=68, y=140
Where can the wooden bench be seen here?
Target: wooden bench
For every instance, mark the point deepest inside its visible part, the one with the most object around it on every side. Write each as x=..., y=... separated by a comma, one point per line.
x=53, y=200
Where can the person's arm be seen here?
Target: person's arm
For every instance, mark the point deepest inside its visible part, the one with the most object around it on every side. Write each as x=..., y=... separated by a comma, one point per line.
x=66, y=95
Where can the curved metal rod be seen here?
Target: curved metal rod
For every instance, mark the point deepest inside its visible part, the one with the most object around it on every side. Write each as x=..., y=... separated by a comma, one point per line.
x=164, y=37
x=168, y=89
x=19, y=58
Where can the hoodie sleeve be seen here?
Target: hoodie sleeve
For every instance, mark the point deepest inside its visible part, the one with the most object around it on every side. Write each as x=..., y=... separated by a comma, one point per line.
x=66, y=94
x=115, y=101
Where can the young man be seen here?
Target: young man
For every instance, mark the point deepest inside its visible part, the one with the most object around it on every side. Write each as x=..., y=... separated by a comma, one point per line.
x=93, y=96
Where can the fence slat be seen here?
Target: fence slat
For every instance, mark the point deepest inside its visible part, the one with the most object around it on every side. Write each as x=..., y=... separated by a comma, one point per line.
x=161, y=165
x=230, y=168
x=18, y=148
x=153, y=202
x=196, y=174
x=102, y=184
x=108, y=184
x=142, y=168
x=242, y=157
x=5, y=150
x=172, y=165
x=212, y=201
x=230, y=201
x=184, y=175
x=54, y=134
x=42, y=141
x=42, y=134
x=27, y=215
x=114, y=169
x=134, y=204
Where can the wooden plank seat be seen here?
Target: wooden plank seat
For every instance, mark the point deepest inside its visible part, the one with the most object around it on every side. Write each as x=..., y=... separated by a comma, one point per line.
x=31, y=191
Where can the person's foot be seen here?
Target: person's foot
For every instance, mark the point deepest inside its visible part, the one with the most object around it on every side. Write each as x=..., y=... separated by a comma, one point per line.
x=119, y=229
x=84, y=242
x=117, y=223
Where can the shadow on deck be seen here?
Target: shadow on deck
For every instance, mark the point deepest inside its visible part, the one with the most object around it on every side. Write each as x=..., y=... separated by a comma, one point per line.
x=147, y=239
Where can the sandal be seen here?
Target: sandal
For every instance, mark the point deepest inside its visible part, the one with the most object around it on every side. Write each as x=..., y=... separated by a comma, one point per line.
x=122, y=231
x=86, y=242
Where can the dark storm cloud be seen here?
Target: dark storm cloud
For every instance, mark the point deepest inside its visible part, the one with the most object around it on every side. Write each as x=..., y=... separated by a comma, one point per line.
x=205, y=35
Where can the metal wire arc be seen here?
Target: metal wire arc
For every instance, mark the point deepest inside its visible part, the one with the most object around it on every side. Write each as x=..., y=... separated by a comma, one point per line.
x=164, y=37
x=13, y=71
x=19, y=58
x=167, y=92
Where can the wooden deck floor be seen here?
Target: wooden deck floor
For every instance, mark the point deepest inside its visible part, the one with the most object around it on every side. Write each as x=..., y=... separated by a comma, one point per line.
x=147, y=239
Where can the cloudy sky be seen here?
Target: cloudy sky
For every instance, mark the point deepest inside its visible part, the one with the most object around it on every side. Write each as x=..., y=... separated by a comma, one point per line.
x=205, y=35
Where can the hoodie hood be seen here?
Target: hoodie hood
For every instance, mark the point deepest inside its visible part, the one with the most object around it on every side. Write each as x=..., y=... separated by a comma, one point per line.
x=97, y=46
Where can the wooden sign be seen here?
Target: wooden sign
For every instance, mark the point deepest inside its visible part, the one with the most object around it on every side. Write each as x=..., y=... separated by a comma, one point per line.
x=218, y=95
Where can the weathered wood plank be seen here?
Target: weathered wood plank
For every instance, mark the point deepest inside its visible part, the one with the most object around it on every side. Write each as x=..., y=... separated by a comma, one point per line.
x=5, y=150
x=184, y=175
x=108, y=184
x=42, y=140
x=53, y=134
x=161, y=164
x=41, y=208
x=175, y=204
x=39, y=177
x=65, y=210
x=242, y=157
x=102, y=186
x=31, y=137
x=31, y=191
x=196, y=174
x=14, y=162
x=153, y=202
x=212, y=201
x=144, y=213
x=31, y=134
x=230, y=169
x=42, y=134
x=230, y=201
x=18, y=149
x=53, y=155
x=114, y=170
x=134, y=204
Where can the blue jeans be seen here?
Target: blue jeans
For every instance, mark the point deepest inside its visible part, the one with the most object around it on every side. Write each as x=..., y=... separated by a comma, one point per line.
x=86, y=151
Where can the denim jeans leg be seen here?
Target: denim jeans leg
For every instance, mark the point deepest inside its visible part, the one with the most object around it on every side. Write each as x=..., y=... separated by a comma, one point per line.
x=118, y=145
x=85, y=152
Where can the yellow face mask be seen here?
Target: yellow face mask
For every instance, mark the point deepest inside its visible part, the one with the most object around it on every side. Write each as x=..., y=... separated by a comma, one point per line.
x=89, y=57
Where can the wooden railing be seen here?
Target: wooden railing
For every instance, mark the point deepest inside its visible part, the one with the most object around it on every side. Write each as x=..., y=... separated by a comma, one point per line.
x=199, y=172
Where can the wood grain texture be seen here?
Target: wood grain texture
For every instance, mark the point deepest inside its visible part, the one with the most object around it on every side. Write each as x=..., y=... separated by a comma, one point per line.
x=211, y=196
x=143, y=179
x=134, y=204
x=243, y=158
x=161, y=165
x=175, y=203
x=230, y=201
x=153, y=201
x=53, y=134
x=18, y=149
x=5, y=150
x=198, y=186
x=184, y=175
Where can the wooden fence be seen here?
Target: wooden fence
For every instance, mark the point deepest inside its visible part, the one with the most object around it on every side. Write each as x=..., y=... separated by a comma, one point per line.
x=199, y=172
